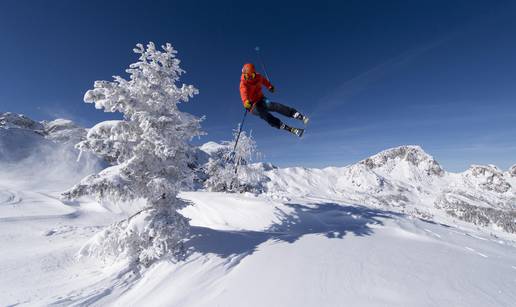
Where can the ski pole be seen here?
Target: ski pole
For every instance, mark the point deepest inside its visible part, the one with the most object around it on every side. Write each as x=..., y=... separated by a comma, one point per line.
x=233, y=153
x=257, y=49
x=239, y=131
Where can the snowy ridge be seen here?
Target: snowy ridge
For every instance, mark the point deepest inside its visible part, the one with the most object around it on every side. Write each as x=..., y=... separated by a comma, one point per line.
x=512, y=171
x=212, y=148
x=408, y=180
x=59, y=130
x=12, y=120
x=64, y=131
x=487, y=177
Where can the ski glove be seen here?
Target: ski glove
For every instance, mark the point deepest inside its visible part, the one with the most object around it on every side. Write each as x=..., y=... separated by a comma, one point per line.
x=247, y=104
x=271, y=89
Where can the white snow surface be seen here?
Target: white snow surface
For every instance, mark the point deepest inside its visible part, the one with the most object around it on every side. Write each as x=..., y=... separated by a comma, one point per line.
x=212, y=147
x=368, y=234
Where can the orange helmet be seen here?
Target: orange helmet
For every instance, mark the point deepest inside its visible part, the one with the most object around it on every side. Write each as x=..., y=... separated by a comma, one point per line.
x=249, y=71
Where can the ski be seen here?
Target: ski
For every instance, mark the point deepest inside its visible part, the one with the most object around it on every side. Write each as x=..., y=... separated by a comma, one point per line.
x=297, y=131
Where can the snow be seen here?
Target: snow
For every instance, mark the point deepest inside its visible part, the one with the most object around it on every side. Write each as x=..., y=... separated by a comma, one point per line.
x=332, y=255
x=236, y=213
x=212, y=147
x=369, y=234
x=255, y=251
x=64, y=131
x=40, y=237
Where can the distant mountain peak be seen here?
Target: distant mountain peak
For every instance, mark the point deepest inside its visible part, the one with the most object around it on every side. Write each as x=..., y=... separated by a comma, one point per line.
x=477, y=169
x=13, y=120
x=212, y=147
x=412, y=154
x=59, y=125
x=512, y=170
x=17, y=129
x=488, y=177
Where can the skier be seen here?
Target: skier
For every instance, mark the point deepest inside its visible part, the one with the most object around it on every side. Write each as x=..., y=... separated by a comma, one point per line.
x=255, y=102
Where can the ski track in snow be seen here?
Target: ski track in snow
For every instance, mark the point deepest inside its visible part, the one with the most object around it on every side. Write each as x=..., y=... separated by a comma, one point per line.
x=433, y=233
x=24, y=205
x=8, y=198
x=474, y=251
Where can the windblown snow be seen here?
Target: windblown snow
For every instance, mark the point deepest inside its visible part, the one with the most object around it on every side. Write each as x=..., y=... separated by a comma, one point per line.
x=394, y=229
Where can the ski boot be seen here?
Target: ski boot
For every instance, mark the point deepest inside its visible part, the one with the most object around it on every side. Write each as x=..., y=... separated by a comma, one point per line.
x=297, y=131
x=301, y=117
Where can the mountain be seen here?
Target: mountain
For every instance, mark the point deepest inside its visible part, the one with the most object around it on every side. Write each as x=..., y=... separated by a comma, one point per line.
x=408, y=180
x=21, y=137
x=64, y=131
x=405, y=179
x=405, y=162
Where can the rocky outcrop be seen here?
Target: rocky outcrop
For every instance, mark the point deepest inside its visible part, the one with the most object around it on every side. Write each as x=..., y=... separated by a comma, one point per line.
x=488, y=177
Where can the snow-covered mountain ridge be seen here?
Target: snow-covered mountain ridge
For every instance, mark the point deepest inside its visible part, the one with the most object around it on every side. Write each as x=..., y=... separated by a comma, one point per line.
x=408, y=180
x=62, y=130
x=22, y=137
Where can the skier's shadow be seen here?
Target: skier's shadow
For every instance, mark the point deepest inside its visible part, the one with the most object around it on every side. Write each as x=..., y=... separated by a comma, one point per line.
x=333, y=221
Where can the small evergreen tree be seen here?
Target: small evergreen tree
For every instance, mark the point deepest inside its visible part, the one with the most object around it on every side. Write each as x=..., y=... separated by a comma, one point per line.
x=231, y=171
x=149, y=151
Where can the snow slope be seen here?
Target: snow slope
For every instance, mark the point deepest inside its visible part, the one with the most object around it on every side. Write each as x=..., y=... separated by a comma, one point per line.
x=40, y=236
x=249, y=250
x=329, y=255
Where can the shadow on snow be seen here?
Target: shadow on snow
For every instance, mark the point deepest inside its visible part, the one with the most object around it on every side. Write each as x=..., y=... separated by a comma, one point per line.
x=334, y=221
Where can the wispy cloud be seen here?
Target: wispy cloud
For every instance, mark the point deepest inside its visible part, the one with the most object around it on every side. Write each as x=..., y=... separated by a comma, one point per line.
x=362, y=81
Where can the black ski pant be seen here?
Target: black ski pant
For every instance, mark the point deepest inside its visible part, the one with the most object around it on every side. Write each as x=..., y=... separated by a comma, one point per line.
x=263, y=108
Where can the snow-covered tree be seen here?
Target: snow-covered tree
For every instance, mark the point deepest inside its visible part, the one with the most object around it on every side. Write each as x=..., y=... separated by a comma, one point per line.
x=229, y=168
x=149, y=151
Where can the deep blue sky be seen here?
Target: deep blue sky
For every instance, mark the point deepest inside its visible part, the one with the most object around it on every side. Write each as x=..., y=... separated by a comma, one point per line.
x=372, y=74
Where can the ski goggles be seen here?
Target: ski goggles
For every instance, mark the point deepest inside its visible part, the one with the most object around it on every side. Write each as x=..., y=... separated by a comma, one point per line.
x=250, y=76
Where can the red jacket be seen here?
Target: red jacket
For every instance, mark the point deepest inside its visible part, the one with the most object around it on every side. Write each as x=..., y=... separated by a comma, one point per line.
x=252, y=89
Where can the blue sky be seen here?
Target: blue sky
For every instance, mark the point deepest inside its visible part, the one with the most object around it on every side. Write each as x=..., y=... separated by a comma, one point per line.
x=371, y=74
